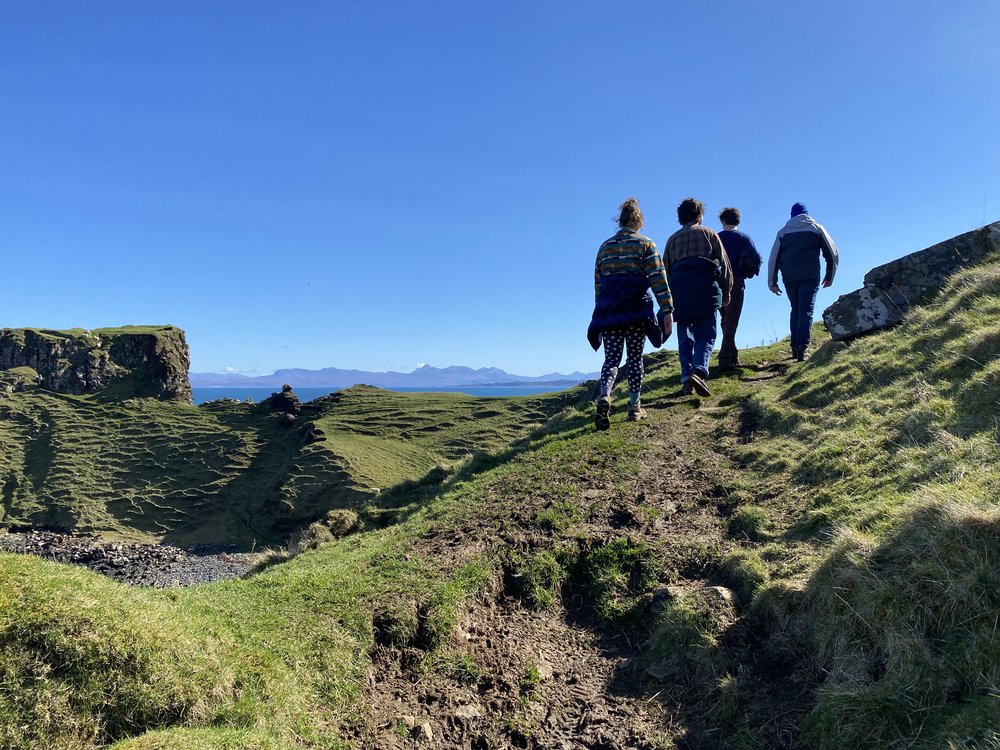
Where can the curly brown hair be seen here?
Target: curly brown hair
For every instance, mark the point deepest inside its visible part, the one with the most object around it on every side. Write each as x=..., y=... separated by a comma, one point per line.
x=630, y=215
x=730, y=216
x=690, y=211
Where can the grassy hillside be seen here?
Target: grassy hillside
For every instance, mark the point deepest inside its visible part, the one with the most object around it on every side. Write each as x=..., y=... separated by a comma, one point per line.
x=228, y=472
x=809, y=558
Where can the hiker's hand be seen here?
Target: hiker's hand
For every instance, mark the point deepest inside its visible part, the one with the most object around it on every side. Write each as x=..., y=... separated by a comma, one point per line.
x=774, y=288
x=668, y=326
x=827, y=283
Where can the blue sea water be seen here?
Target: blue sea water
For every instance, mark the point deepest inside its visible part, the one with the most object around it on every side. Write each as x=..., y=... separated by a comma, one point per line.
x=212, y=393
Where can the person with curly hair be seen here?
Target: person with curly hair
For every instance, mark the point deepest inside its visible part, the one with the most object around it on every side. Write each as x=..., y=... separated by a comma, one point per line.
x=627, y=268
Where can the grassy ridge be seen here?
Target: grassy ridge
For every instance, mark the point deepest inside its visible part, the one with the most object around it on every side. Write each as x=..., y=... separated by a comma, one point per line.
x=230, y=473
x=858, y=524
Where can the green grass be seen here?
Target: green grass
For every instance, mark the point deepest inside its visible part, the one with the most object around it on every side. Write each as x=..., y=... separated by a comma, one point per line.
x=88, y=662
x=150, y=470
x=891, y=447
x=856, y=517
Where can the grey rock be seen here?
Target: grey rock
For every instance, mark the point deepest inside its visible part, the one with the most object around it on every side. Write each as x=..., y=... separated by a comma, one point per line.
x=891, y=289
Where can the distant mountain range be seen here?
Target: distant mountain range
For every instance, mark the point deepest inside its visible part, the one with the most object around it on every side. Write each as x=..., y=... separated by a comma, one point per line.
x=422, y=377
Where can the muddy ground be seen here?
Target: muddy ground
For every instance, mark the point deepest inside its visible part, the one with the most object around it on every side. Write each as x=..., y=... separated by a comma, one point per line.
x=559, y=678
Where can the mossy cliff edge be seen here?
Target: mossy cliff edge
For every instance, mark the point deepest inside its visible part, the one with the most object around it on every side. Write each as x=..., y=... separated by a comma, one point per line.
x=148, y=361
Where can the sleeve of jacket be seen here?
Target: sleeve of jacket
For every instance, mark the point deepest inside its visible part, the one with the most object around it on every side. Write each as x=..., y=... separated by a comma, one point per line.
x=830, y=254
x=597, y=274
x=752, y=248
x=772, y=262
x=652, y=266
x=726, y=270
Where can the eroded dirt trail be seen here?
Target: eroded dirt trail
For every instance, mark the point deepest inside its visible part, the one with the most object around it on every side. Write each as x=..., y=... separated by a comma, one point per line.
x=515, y=677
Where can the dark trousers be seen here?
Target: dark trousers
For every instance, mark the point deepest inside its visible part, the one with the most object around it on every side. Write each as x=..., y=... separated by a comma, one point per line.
x=729, y=355
x=802, y=295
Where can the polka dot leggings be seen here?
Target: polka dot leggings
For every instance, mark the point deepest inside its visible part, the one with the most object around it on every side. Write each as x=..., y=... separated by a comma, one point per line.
x=614, y=343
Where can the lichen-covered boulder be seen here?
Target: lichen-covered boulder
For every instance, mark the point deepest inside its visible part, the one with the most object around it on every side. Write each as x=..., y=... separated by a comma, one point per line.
x=150, y=361
x=891, y=289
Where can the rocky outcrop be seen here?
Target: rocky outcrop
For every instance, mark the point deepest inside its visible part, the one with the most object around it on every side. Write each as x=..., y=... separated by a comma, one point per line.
x=147, y=361
x=890, y=290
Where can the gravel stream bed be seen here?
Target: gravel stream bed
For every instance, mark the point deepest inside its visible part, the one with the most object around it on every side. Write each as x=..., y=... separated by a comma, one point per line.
x=150, y=565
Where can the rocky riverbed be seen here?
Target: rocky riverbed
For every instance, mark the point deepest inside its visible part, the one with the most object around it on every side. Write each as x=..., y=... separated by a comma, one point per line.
x=152, y=565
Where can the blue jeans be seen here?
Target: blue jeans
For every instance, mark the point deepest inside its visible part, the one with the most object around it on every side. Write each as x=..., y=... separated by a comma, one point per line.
x=695, y=339
x=802, y=295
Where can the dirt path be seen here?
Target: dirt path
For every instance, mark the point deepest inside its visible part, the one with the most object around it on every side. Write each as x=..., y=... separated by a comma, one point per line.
x=519, y=678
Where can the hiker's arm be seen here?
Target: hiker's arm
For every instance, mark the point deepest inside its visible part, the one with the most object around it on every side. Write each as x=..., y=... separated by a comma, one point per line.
x=726, y=270
x=830, y=255
x=772, y=266
x=656, y=274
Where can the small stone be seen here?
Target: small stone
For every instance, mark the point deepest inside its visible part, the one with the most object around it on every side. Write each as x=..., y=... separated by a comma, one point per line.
x=720, y=594
x=424, y=732
x=544, y=670
x=467, y=713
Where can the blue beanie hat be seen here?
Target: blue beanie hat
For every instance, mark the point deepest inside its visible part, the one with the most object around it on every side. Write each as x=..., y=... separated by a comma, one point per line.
x=799, y=208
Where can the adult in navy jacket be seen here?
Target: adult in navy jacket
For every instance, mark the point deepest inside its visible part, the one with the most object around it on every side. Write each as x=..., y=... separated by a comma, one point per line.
x=743, y=255
x=795, y=253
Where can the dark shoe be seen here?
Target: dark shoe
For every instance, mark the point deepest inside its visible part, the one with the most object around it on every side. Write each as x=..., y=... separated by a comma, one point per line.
x=686, y=388
x=699, y=385
x=636, y=412
x=728, y=365
x=602, y=419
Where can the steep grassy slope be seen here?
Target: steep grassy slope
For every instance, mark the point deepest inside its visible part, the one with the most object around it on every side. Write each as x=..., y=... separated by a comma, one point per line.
x=226, y=472
x=848, y=505
x=891, y=446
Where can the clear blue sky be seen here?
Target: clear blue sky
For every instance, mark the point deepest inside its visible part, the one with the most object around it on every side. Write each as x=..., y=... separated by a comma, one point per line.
x=377, y=185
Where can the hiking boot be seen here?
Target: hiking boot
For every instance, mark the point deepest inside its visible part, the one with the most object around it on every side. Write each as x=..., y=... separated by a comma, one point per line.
x=602, y=418
x=636, y=412
x=800, y=353
x=686, y=388
x=728, y=365
x=698, y=384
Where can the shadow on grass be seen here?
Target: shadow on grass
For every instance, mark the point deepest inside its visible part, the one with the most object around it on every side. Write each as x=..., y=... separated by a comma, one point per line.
x=402, y=500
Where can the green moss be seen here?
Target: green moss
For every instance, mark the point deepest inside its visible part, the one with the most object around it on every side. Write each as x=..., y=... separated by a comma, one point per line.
x=540, y=577
x=617, y=576
x=744, y=572
x=684, y=646
x=749, y=522
x=559, y=516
